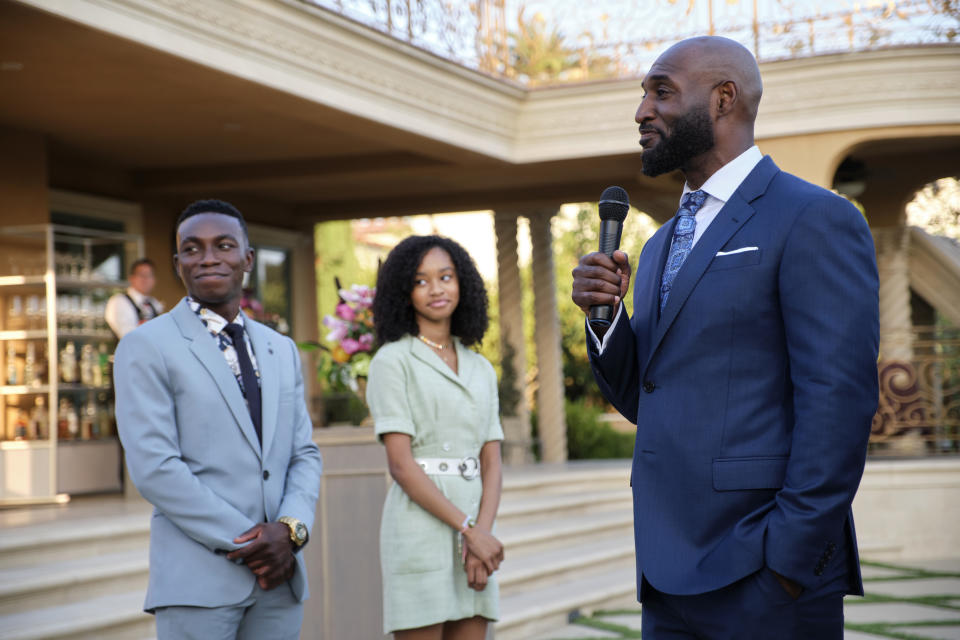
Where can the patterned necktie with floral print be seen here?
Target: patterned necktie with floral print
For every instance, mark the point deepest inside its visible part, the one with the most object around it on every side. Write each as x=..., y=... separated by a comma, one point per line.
x=682, y=241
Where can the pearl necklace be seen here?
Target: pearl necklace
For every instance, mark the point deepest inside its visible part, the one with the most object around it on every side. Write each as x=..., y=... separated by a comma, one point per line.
x=430, y=343
x=441, y=349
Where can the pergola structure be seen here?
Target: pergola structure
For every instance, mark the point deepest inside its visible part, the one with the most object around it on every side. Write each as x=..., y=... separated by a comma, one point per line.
x=298, y=116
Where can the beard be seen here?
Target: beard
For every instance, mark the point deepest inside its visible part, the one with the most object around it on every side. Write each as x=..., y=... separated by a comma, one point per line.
x=692, y=135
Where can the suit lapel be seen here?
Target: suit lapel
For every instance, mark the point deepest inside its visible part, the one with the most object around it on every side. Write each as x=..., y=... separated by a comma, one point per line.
x=267, y=362
x=426, y=355
x=646, y=288
x=651, y=296
x=466, y=364
x=731, y=217
x=203, y=346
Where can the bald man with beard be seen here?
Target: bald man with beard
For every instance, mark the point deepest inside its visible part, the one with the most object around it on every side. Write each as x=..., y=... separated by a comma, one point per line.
x=749, y=368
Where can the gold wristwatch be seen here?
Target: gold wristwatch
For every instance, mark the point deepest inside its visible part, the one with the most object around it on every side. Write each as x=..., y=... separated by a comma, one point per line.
x=298, y=530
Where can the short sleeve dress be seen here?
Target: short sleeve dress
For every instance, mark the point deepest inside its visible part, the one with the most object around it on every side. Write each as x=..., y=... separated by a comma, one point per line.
x=448, y=415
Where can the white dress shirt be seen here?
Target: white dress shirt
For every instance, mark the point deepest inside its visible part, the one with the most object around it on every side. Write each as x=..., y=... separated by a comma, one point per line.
x=718, y=187
x=122, y=317
x=215, y=324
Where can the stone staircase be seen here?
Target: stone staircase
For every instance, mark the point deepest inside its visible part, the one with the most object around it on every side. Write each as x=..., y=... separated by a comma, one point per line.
x=568, y=534
x=81, y=572
x=81, y=577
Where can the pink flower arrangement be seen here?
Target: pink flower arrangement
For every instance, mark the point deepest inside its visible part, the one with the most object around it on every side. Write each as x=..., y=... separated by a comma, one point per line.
x=351, y=335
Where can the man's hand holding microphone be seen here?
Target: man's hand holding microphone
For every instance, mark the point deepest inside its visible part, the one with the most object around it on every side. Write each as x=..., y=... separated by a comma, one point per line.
x=602, y=278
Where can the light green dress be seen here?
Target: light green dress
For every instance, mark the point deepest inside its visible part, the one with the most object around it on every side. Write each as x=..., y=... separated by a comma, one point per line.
x=448, y=415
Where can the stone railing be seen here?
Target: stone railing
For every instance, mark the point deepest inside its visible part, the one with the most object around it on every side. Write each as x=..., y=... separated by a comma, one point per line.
x=919, y=409
x=621, y=38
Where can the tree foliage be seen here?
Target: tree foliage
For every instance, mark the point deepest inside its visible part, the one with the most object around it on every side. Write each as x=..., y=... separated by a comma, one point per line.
x=575, y=234
x=539, y=53
x=936, y=208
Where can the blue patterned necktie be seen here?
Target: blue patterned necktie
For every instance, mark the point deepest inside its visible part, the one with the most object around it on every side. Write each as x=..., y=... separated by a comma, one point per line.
x=682, y=241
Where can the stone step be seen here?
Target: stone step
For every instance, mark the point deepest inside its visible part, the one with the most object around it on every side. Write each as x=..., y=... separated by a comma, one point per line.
x=44, y=543
x=565, y=564
x=521, y=509
x=535, y=537
x=524, y=615
x=58, y=583
x=540, y=480
x=113, y=617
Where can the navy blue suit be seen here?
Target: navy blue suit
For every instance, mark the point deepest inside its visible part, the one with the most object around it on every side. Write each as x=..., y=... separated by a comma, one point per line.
x=753, y=391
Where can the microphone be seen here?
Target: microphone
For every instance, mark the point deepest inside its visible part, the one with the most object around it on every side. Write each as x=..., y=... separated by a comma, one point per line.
x=614, y=204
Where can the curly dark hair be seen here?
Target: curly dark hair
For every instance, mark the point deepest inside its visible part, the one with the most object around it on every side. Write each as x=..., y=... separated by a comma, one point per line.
x=393, y=314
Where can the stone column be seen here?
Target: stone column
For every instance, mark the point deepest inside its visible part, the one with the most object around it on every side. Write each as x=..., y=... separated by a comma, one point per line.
x=893, y=266
x=516, y=425
x=550, y=393
x=899, y=375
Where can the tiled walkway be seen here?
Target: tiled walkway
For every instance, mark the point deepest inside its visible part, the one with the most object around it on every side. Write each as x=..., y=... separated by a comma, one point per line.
x=907, y=601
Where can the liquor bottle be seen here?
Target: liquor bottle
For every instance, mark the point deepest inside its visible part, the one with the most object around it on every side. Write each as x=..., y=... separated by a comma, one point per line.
x=42, y=315
x=33, y=312
x=102, y=326
x=40, y=366
x=11, y=377
x=20, y=426
x=104, y=415
x=29, y=365
x=96, y=368
x=73, y=420
x=68, y=363
x=103, y=357
x=39, y=419
x=87, y=360
x=88, y=416
x=15, y=319
x=60, y=312
x=63, y=419
x=87, y=314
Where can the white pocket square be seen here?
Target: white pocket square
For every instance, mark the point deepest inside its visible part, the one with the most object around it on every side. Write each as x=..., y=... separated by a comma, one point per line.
x=740, y=250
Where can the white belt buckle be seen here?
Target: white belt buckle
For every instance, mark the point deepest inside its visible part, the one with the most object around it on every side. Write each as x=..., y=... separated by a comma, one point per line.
x=469, y=467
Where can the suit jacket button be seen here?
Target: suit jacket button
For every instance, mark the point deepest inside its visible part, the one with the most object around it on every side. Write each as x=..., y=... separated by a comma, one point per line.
x=648, y=386
x=266, y=475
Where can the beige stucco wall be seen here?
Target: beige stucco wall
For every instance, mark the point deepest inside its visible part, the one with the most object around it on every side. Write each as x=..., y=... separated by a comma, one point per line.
x=907, y=509
x=816, y=156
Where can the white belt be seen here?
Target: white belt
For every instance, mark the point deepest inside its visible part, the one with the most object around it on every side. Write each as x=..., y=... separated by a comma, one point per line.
x=468, y=467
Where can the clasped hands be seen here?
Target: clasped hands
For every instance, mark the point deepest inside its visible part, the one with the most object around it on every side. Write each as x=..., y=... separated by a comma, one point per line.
x=269, y=553
x=482, y=555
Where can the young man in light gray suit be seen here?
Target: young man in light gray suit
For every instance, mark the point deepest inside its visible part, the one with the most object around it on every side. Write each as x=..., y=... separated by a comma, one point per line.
x=211, y=413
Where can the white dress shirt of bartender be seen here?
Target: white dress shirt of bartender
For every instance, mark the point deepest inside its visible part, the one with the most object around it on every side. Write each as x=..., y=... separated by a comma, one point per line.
x=129, y=309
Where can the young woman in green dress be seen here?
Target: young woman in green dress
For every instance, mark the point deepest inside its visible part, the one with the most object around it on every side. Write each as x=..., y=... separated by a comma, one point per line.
x=435, y=407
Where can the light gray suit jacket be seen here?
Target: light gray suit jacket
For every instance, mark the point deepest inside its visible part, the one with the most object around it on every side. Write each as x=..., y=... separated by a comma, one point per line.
x=193, y=453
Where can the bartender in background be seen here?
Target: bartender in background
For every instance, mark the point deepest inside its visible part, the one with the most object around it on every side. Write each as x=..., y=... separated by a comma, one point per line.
x=131, y=308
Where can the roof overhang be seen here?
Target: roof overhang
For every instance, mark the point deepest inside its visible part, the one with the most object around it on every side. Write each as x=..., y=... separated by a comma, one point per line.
x=279, y=99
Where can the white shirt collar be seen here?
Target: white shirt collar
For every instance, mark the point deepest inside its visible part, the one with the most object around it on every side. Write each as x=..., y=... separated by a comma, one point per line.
x=137, y=296
x=728, y=178
x=212, y=320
